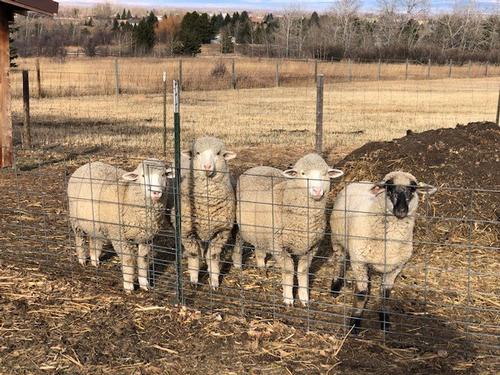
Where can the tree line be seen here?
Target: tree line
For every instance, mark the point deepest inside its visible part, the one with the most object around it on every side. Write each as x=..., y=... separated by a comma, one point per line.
x=400, y=29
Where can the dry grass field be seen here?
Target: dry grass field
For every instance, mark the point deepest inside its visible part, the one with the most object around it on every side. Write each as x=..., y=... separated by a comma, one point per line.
x=354, y=113
x=96, y=76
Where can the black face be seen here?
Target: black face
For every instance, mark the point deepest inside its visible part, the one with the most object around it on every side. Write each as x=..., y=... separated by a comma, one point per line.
x=400, y=196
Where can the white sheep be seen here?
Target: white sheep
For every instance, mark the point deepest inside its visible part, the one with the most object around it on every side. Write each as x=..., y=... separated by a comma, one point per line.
x=283, y=212
x=207, y=205
x=109, y=204
x=372, y=225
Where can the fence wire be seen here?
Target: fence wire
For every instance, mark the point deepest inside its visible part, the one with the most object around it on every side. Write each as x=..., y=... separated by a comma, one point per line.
x=446, y=292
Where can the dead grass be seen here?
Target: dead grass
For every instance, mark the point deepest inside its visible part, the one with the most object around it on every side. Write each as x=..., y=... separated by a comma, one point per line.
x=355, y=113
x=96, y=76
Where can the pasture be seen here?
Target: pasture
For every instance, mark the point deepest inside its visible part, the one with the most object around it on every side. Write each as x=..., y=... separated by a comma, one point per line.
x=61, y=317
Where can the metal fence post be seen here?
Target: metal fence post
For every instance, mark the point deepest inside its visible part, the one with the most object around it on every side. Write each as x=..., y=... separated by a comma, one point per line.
x=498, y=109
x=26, y=134
x=177, y=192
x=379, y=68
x=165, y=114
x=319, y=114
x=470, y=68
x=449, y=69
x=277, y=75
x=38, y=79
x=429, y=69
x=350, y=69
x=233, y=79
x=117, y=78
x=315, y=70
x=486, y=69
x=406, y=71
x=180, y=74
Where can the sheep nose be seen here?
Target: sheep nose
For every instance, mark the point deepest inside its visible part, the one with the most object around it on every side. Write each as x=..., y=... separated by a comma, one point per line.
x=207, y=166
x=317, y=191
x=156, y=195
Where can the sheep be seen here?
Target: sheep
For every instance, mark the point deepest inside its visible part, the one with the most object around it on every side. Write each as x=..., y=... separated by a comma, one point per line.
x=207, y=205
x=372, y=225
x=283, y=212
x=110, y=205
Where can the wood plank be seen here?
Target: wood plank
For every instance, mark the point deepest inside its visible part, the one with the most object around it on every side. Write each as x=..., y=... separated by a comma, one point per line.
x=5, y=116
x=48, y=7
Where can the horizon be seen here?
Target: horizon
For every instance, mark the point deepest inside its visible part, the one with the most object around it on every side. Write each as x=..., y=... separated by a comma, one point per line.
x=435, y=6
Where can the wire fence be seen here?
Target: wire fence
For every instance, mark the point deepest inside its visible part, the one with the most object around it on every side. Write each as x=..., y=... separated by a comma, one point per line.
x=446, y=293
x=140, y=76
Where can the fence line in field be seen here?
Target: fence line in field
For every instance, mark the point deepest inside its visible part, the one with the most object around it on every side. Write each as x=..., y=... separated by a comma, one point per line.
x=196, y=74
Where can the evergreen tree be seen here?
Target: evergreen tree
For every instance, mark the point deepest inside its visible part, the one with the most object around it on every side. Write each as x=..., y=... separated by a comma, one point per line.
x=227, y=45
x=144, y=34
x=189, y=35
x=243, y=28
x=314, y=20
x=129, y=14
x=124, y=15
x=116, y=25
x=227, y=20
x=118, y=16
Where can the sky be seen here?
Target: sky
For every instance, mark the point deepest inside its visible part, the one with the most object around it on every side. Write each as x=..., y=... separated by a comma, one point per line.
x=306, y=5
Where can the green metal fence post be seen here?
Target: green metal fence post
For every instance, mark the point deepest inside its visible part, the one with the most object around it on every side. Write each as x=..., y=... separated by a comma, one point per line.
x=177, y=192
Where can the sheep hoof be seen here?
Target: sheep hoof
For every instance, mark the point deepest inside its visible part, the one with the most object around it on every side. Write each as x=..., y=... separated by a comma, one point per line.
x=288, y=302
x=355, y=323
x=336, y=288
x=143, y=283
x=82, y=261
x=128, y=287
x=95, y=263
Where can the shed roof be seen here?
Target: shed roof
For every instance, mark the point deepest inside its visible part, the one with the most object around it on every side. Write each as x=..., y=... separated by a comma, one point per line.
x=42, y=6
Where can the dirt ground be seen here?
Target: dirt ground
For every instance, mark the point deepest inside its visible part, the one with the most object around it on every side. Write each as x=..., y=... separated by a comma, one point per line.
x=57, y=317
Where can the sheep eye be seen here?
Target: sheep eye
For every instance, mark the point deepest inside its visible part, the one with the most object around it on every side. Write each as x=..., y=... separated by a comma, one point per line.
x=218, y=153
x=197, y=153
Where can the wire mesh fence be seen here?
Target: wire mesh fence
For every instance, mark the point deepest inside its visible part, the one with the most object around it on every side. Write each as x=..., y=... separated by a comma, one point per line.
x=446, y=291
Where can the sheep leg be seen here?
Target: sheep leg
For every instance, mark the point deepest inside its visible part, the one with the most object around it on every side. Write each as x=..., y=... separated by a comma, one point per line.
x=81, y=251
x=213, y=257
x=303, y=276
x=238, y=252
x=287, y=278
x=260, y=257
x=360, y=296
x=95, y=245
x=143, y=265
x=126, y=254
x=339, y=272
x=192, y=248
x=387, y=285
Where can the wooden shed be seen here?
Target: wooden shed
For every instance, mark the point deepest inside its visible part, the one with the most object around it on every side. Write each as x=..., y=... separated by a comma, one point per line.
x=7, y=10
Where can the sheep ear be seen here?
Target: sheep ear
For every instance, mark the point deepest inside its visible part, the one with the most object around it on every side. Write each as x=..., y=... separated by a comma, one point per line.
x=290, y=173
x=228, y=155
x=335, y=173
x=187, y=153
x=170, y=172
x=378, y=188
x=426, y=189
x=130, y=176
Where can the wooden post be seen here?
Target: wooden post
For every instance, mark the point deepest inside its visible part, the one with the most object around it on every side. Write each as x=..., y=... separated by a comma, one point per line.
x=470, y=68
x=5, y=116
x=350, y=69
x=38, y=79
x=319, y=114
x=277, y=75
x=449, y=68
x=233, y=79
x=486, y=69
x=429, y=69
x=117, y=78
x=180, y=75
x=498, y=109
x=379, y=67
x=406, y=72
x=315, y=70
x=26, y=133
